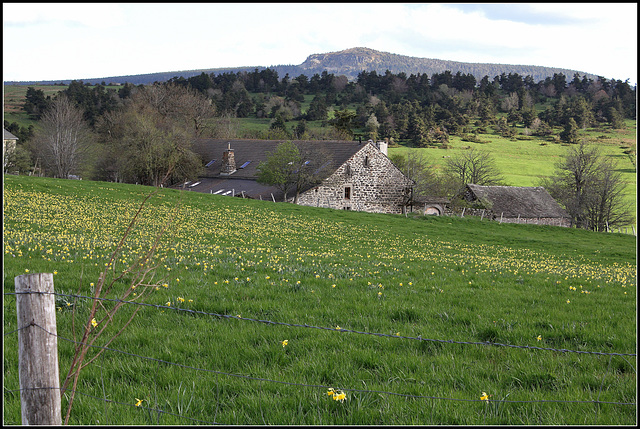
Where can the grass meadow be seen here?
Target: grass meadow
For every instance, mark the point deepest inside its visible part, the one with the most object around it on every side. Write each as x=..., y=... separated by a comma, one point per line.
x=526, y=162
x=258, y=309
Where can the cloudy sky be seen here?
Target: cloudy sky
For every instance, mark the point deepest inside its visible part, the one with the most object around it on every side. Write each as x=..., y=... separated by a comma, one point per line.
x=56, y=41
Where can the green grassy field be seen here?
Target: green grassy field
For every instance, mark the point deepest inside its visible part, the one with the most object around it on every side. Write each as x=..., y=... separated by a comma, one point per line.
x=526, y=162
x=394, y=311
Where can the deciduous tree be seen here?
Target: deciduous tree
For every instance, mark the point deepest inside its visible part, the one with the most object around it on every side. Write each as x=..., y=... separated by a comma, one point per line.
x=62, y=138
x=591, y=189
x=292, y=169
x=472, y=166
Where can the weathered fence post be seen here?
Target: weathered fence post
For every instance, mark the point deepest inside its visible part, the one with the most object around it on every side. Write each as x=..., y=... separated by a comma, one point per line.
x=38, y=350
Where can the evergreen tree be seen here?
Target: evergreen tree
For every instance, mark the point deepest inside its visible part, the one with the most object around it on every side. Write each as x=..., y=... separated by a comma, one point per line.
x=570, y=133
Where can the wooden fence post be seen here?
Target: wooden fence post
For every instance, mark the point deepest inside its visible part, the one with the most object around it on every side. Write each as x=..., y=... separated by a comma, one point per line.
x=38, y=350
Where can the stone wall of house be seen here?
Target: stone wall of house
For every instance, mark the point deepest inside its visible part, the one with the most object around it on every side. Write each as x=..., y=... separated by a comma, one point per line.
x=368, y=181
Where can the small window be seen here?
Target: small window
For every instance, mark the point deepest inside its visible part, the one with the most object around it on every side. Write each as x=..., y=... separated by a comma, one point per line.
x=245, y=164
x=347, y=192
x=366, y=161
x=210, y=163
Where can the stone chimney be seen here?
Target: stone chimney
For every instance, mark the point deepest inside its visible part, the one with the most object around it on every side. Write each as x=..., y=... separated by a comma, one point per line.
x=228, y=162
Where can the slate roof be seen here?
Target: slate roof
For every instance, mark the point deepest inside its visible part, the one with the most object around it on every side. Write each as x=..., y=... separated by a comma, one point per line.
x=514, y=201
x=9, y=136
x=337, y=152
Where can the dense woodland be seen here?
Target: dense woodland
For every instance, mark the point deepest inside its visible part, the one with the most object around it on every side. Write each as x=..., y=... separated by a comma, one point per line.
x=142, y=134
x=417, y=108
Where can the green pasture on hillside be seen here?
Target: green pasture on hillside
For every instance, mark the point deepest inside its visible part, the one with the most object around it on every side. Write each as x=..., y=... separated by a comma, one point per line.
x=526, y=162
x=258, y=309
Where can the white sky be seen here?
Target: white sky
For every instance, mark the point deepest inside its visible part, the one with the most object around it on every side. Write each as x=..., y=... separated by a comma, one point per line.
x=55, y=41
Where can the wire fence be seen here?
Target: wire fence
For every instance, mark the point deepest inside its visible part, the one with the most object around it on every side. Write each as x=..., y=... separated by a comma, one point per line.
x=160, y=411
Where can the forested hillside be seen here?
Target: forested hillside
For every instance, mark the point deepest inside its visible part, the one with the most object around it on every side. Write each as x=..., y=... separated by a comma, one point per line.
x=134, y=133
x=349, y=62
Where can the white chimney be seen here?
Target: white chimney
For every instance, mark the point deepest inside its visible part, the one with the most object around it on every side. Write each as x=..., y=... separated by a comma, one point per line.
x=382, y=147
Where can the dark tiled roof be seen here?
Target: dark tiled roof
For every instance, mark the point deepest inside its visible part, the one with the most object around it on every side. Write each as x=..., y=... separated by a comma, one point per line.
x=257, y=151
x=514, y=201
x=231, y=186
x=253, y=152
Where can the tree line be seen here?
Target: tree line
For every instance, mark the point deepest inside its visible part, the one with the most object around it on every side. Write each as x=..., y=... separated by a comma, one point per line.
x=142, y=134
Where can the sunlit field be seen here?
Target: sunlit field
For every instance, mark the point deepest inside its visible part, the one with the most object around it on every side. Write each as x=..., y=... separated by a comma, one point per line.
x=270, y=313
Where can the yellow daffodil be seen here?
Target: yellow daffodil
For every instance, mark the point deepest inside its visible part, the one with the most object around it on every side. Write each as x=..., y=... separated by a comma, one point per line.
x=331, y=392
x=484, y=397
x=180, y=299
x=93, y=322
x=284, y=343
x=139, y=402
x=539, y=338
x=340, y=397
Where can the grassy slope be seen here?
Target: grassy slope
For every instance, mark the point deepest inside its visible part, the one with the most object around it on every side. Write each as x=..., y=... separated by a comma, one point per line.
x=522, y=162
x=436, y=277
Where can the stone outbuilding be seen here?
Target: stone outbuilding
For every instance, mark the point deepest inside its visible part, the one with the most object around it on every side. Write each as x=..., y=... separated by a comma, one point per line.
x=8, y=146
x=359, y=175
x=515, y=204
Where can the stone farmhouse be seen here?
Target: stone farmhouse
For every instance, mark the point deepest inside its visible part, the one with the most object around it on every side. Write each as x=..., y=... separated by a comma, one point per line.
x=514, y=204
x=359, y=175
x=8, y=146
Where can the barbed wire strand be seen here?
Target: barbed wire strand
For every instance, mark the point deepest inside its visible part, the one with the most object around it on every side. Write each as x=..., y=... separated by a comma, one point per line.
x=329, y=387
x=270, y=322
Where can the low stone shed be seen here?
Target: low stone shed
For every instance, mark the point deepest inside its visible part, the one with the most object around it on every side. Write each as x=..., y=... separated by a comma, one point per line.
x=517, y=204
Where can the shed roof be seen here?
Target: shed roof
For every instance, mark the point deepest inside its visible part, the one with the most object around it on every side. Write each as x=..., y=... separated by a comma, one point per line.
x=514, y=201
x=9, y=136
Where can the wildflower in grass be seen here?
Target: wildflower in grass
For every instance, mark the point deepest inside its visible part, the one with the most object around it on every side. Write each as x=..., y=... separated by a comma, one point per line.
x=168, y=304
x=339, y=396
x=539, y=338
x=338, y=328
x=484, y=397
x=26, y=270
x=331, y=392
x=93, y=322
x=284, y=342
x=181, y=299
x=55, y=272
x=568, y=301
x=379, y=294
x=139, y=402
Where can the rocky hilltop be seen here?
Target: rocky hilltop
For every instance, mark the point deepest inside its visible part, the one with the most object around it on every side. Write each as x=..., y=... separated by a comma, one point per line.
x=350, y=62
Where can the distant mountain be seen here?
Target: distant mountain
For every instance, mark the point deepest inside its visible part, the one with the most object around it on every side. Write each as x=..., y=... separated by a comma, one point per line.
x=350, y=62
